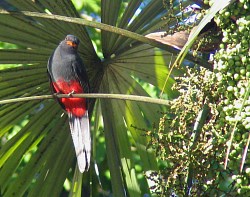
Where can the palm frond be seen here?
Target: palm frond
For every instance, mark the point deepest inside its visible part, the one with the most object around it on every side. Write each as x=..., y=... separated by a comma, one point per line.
x=36, y=28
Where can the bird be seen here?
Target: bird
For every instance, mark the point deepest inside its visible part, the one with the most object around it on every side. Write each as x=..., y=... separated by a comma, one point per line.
x=67, y=75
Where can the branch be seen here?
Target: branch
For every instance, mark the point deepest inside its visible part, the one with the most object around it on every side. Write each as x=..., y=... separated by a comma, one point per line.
x=103, y=96
x=108, y=28
x=199, y=123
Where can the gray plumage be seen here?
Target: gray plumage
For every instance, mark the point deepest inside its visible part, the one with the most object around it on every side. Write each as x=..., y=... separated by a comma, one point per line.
x=67, y=75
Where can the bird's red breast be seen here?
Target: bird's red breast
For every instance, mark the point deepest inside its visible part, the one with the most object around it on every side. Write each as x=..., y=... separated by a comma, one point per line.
x=77, y=106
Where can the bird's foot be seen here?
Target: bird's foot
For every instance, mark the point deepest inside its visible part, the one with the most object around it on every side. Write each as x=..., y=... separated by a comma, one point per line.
x=56, y=94
x=71, y=93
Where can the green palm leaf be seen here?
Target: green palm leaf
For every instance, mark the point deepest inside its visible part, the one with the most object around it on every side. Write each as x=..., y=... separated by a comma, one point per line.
x=46, y=135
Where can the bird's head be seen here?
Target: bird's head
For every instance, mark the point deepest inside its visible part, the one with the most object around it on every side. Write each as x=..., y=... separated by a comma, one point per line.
x=72, y=41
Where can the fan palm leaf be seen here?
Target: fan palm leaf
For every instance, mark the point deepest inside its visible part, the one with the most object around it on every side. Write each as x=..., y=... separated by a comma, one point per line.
x=46, y=134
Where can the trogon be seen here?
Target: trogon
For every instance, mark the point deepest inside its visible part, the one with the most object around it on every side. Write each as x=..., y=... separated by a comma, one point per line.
x=68, y=75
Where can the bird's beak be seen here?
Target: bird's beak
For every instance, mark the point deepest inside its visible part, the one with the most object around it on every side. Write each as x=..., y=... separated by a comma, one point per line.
x=70, y=43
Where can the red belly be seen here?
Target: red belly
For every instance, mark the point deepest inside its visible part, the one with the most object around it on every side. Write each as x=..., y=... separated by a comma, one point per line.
x=76, y=106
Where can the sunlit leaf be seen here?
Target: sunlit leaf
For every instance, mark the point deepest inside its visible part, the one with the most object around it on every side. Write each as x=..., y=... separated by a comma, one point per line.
x=47, y=133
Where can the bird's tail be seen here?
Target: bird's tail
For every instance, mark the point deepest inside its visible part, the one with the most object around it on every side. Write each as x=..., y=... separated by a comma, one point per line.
x=80, y=133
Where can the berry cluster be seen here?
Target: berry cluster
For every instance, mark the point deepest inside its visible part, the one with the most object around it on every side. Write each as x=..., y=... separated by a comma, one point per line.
x=232, y=63
x=232, y=71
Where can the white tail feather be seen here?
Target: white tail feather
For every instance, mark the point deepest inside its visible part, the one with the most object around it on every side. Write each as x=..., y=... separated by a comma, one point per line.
x=80, y=133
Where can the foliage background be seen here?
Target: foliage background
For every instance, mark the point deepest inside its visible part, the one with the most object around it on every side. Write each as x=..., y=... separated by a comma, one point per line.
x=129, y=148
x=36, y=147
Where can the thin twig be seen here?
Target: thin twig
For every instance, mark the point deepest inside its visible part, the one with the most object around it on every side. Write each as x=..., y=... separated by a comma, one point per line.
x=170, y=71
x=245, y=153
x=103, y=96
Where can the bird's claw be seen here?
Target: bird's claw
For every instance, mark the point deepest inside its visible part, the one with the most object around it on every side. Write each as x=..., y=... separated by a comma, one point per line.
x=56, y=94
x=71, y=93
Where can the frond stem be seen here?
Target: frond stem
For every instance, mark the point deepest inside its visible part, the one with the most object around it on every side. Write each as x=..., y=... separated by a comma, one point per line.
x=103, y=96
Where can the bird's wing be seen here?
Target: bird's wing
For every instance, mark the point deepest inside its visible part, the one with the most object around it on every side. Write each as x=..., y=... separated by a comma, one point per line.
x=81, y=74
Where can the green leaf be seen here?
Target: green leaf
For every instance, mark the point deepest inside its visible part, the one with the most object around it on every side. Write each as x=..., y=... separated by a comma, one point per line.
x=76, y=189
x=36, y=28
